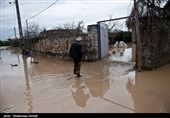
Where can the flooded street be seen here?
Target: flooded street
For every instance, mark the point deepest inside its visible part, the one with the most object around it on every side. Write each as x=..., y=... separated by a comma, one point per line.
x=110, y=85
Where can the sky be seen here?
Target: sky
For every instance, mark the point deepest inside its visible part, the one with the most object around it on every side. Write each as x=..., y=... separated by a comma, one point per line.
x=52, y=13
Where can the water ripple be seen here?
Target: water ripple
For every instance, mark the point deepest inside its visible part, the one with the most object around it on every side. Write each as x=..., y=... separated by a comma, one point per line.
x=55, y=81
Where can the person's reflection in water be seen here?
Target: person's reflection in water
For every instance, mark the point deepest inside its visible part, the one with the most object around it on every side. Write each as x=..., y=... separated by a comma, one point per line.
x=79, y=94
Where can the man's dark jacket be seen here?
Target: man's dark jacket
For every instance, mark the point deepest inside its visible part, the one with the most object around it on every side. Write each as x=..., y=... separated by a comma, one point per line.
x=76, y=51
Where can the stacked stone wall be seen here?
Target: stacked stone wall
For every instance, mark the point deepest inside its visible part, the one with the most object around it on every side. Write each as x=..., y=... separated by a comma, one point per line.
x=155, y=47
x=59, y=47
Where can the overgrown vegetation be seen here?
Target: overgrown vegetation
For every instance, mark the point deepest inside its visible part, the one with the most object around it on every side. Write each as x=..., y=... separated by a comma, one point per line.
x=125, y=36
x=4, y=43
x=153, y=9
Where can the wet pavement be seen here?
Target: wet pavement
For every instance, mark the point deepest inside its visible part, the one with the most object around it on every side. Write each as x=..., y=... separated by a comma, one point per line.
x=110, y=85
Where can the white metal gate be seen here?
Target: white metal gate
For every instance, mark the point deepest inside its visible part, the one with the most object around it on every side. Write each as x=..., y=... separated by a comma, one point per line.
x=103, y=40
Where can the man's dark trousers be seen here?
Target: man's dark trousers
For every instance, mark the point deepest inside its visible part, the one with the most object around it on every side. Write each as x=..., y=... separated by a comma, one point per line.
x=77, y=66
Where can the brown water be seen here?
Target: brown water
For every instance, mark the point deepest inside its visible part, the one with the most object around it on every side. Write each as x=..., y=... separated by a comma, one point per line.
x=107, y=86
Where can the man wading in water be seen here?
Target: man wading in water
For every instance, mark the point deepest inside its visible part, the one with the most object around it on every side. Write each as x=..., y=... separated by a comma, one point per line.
x=77, y=55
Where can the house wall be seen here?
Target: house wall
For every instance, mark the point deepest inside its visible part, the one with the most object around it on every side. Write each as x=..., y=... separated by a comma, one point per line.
x=59, y=47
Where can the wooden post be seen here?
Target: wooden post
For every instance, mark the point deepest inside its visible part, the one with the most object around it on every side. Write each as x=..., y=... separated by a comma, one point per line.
x=138, y=36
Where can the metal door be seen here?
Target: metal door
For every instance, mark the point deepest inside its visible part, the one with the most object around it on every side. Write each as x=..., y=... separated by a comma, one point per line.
x=103, y=47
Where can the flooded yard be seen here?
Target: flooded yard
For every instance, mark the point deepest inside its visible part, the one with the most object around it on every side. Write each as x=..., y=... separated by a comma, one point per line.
x=110, y=85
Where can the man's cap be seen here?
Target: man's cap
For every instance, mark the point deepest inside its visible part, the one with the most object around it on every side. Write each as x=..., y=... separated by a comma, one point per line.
x=78, y=39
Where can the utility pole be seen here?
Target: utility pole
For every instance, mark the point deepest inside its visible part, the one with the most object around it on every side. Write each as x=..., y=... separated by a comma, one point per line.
x=15, y=33
x=15, y=36
x=137, y=35
x=20, y=27
x=27, y=29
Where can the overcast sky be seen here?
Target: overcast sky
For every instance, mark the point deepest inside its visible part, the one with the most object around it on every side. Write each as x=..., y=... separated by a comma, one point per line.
x=49, y=13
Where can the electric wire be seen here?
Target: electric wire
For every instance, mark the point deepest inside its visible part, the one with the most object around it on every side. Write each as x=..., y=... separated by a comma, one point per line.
x=2, y=33
x=42, y=10
x=7, y=31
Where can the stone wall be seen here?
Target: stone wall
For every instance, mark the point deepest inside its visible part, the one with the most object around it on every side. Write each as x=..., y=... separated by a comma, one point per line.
x=59, y=47
x=155, y=46
x=93, y=36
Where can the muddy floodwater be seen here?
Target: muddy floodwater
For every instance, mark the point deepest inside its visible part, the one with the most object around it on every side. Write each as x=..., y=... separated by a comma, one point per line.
x=110, y=85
